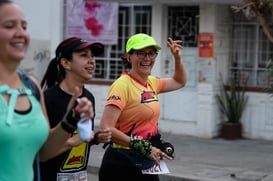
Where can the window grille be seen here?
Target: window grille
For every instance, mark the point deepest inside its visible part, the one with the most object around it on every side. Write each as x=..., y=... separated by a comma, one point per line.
x=251, y=52
x=183, y=24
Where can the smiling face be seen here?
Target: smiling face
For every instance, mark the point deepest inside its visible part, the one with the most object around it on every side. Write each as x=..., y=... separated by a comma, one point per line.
x=14, y=38
x=142, y=61
x=82, y=66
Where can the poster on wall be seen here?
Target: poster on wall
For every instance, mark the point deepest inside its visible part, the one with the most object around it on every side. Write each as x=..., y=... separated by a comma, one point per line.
x=93, y=21
x=206, y=45
x=206, y=73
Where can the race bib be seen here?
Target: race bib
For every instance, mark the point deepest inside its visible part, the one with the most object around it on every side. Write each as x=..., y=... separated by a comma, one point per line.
x=157, y=169
x=78, y=176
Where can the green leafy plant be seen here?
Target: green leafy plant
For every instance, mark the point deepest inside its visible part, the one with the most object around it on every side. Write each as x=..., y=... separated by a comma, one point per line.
x=232, y=100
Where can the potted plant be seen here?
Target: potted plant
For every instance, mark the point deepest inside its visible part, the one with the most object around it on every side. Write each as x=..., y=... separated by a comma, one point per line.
x=232, y=102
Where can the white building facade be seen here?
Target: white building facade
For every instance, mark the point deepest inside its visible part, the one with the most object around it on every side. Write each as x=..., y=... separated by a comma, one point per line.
x=238, y=45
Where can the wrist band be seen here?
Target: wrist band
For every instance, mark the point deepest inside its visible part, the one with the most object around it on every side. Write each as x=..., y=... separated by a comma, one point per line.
x=69, y=123
x=95, y=140
x=68, y=128
x=73, y=116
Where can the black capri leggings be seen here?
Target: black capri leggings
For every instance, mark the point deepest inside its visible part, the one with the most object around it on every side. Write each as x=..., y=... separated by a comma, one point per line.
x=116, y=166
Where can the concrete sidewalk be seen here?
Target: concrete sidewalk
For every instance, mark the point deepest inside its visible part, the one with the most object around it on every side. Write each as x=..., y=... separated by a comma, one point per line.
x=198, y=159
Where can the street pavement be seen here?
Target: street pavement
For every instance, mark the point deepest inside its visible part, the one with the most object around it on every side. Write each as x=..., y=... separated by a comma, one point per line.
x=199, y=159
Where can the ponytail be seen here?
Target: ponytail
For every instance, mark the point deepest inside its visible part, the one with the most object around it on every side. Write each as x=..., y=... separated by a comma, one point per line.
x=54, y=74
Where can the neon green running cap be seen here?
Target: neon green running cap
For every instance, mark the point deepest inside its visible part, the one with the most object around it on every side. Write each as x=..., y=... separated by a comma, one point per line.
x=139, y=41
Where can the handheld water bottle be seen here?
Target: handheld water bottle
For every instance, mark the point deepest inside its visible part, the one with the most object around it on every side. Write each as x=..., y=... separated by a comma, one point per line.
x=84, y=128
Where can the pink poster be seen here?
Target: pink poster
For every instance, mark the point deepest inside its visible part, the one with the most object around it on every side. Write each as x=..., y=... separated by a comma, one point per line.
x=93, y=21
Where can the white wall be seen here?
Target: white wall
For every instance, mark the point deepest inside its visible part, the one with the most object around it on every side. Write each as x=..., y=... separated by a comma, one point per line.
x=45, y=20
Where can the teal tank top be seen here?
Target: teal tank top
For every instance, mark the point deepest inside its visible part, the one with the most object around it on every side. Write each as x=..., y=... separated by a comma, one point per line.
x=21, y=136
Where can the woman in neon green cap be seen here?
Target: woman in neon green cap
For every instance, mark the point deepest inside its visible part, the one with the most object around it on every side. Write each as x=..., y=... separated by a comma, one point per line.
x=132, y=111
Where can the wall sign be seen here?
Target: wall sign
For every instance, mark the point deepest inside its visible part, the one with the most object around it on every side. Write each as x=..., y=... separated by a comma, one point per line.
x=206, y=45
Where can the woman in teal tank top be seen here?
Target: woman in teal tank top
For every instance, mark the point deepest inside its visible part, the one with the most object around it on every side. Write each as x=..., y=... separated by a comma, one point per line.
x=30, y=130
x=24, y=127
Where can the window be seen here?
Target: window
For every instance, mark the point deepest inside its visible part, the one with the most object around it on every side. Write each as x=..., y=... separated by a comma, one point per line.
x=251, y=52
x=183, y=24
x=132, y=19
